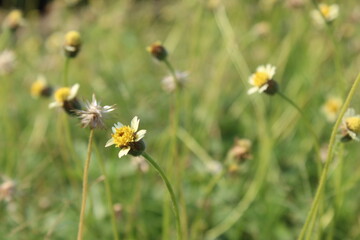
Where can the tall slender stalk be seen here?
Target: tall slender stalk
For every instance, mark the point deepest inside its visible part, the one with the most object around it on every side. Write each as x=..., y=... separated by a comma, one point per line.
x=85, y=187
x=330, y=153
x=108, y=194
x=309, y=127
x=170, y=190
x=66, y=71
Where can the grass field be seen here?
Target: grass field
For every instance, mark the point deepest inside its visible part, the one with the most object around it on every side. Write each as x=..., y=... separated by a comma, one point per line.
x=241, y=166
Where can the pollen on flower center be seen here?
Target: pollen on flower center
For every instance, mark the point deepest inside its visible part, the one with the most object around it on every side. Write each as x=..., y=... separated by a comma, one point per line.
x=123, y=136
x=353, y=124
x=260, y=78
x=62, y=94
x=325, y=10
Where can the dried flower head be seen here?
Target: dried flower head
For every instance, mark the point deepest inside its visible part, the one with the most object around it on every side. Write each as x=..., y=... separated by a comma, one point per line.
x=7, y=190
x=94, y=114
x=7, y=62
x=128, y=138
x=262, y=80
x=241, y=150
x=158, y=51
x=66, y=98
x=350, y=128
x=170, y=84
x=325, y=13
x=40, y=88
x=72, y=44
x=14, y=20
x=331, y=108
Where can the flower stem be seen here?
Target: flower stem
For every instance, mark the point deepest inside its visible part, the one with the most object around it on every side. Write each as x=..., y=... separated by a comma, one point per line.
x=330, y=153
x=85, y=187
x=66, y=71
x=108, y=194
x=308, y=125
x=170, y=190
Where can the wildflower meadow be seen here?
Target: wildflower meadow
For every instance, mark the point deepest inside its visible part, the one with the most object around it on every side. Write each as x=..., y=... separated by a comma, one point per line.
x=180, y=120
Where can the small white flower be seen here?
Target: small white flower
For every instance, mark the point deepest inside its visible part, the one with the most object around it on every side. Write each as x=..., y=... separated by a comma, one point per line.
x=7, y=62
x=331, y=108
x=94, y=114
x=64, y=94
x=325, y=13
x=260, y=79
x=127, y=138
x=169, y=84
x=351, y=124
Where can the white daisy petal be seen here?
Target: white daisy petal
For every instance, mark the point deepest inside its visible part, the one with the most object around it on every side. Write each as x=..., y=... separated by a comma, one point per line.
x=55, y=104
x=140, y=134
x=263, y=88
x=252, y=90
x=110, y=142
x=135, y=123
x=124, y=151
x=73, y=91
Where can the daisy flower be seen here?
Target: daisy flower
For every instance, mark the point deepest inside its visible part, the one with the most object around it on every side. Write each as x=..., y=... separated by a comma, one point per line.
x=94, y=114
x=325, y=13
x=66, y=98
x=262, y=80
x=350, y=128
x=128, y=138
x=40, y=88
x=72, y=44
x=331, y=108
x=14, y=20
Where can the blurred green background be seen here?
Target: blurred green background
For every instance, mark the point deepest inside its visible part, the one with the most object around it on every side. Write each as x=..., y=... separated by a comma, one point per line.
x=219, y=43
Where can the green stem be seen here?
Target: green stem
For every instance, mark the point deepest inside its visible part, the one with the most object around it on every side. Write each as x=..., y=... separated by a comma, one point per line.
x=170, y=190
x=85, y=187
x=108, y=195
x=66, y=71
x=330, y=153
x=308, y=125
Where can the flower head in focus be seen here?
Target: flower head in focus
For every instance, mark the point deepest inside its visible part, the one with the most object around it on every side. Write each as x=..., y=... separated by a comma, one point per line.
x=325, y=13
x=128, y=138
x=66, y=98
x=262, y=80
x=94, y=114
x=169, y=84
x=350, y=128
x=40, y=88
x=331, y=108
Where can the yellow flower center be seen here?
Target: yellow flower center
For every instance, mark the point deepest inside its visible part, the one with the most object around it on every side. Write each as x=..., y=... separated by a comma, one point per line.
x=123, y=136
x=62, y=94
x=325, y=10
x=72, y=38
x=332, y=106
x=353, y=124
x=260, y=78
x=37, y=87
